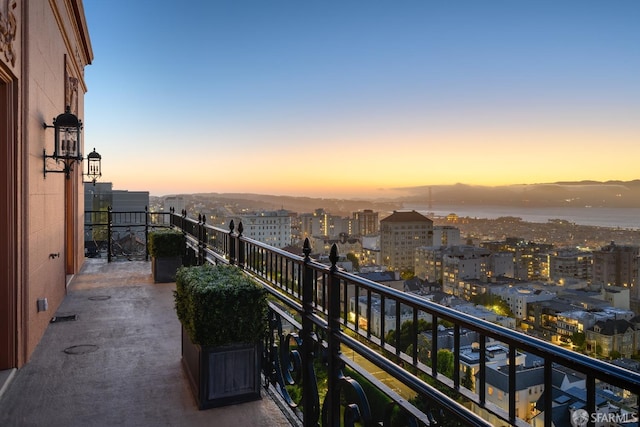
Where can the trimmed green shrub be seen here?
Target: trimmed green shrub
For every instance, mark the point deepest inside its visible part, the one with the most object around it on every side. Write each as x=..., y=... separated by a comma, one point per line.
x=220, y=305
x=166, y=243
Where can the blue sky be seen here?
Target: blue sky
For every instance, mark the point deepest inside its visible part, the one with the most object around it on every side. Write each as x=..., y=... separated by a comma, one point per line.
x=352, y=98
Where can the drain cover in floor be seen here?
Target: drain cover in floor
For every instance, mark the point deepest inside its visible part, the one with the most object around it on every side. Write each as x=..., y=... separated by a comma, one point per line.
x=81, y=349
x=99, y=298
x=68, y=318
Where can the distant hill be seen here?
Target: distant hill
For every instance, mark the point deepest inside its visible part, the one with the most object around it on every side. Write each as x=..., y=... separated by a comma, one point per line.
x=296, y=204
x=614, y=194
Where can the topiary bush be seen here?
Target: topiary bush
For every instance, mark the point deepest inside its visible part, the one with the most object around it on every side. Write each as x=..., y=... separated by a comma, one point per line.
x=166, y=243
x=219, y=305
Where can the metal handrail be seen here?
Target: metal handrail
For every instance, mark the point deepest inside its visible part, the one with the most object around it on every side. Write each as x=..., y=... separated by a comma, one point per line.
x=321, y=295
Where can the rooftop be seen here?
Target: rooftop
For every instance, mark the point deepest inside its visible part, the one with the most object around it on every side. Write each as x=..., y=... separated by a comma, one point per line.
x=118, y=363
x=406, y=216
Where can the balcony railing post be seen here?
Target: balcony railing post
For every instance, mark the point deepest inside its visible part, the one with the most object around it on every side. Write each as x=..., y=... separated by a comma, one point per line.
x=548, y=391
x=309, y=402
x=241, y=246
x=591, y=398
x=200, y=234
x=109, y=232
x=482, y=372
x=205, y=238
x=332, y=400
x=232, y=244
x=146, y=233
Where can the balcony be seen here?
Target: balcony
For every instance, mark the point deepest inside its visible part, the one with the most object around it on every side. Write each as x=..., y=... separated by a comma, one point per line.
x=319, y=331
x=112, y=358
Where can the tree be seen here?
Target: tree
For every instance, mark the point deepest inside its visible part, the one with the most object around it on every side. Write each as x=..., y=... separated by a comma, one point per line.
x=467, y=380
x=354, y=261
x=615, y=354
x=494, y=303
x=407, y=333
x=407, y=274
x=445, y=362
x=423, y=353
x=578, y=339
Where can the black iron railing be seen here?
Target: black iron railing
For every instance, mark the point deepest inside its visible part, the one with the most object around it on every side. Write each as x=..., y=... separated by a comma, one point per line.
x=121, y=235
x=327, y=323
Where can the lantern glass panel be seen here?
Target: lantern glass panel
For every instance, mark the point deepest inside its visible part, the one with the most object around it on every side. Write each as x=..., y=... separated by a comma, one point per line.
x=68, y=142
x=93, y=169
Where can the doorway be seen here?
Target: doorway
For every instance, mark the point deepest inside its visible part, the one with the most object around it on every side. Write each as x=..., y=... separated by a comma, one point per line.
x=8, y=223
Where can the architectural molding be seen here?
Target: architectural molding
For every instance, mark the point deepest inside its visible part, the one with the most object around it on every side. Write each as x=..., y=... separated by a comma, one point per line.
x=8, y=30
x=75, y=36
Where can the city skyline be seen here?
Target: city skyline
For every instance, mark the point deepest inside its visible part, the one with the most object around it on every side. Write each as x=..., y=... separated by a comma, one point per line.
x=357, y=99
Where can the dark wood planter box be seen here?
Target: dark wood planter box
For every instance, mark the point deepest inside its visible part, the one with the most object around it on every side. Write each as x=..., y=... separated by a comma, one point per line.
x=164, y=268
x=221, y=376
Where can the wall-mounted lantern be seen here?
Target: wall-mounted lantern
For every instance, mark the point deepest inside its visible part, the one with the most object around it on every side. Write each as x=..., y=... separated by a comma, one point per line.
x=94, y=166
x=68, y=133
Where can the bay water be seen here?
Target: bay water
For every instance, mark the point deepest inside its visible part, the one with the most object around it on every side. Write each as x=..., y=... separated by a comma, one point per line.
x=626, y=218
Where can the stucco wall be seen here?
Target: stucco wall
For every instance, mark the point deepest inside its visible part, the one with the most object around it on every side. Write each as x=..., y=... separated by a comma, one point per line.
x=44, y=65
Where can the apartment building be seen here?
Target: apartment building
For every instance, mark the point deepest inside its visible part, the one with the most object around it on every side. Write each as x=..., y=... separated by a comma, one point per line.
x=270, y=227
x=461, y=263
x=321, y=223
x=519, y=297
x=531, y=259
x=344, y=243
x=570, y=263
x=446, y=235
x=400, y=234
x=366, y=222
x=617, y=265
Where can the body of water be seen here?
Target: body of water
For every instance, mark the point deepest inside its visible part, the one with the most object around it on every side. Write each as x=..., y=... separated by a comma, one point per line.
x=628, y=218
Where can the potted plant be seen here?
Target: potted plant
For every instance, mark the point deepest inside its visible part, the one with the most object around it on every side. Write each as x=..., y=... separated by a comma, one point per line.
x=224, y=320
x=166, y=247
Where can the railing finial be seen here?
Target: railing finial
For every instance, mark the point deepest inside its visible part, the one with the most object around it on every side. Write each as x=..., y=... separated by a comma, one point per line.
x=231, y=226
x=306, y=248
x=333, y=255
x=240, y=228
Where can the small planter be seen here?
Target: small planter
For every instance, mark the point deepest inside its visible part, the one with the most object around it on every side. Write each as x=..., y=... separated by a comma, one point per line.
x=221, y=376
x=164, y=269
x=166, y=248
x=224, y=321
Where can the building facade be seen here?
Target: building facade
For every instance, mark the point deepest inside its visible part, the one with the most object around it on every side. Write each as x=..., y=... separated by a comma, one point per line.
x=531, y=259
x=44, y=49
x=609, y=336
x=400, y=234
x=570, y=264
x=461, y=263
x=270, y=227
x=366, y=222
x=617, y=265
x=446, y=235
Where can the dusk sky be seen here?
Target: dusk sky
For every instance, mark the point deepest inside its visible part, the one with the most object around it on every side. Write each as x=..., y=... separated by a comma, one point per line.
x=357, y=98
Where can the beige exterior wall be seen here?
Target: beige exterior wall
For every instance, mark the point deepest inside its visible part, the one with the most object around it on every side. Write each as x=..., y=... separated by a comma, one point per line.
x=50, y=49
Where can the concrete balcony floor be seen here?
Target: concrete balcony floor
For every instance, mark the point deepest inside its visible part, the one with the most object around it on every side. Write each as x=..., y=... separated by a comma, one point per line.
x=119, y=363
